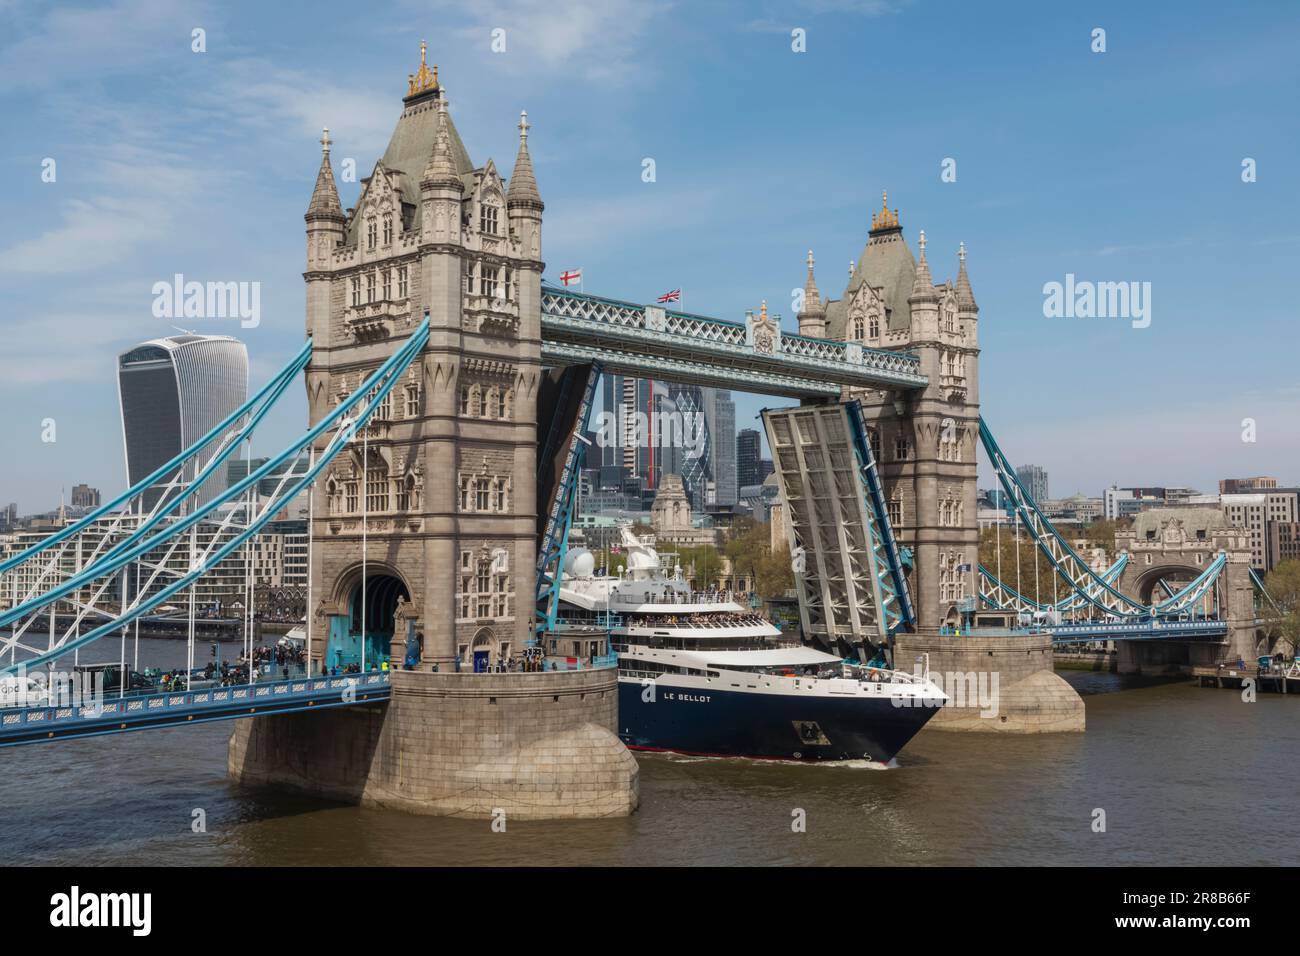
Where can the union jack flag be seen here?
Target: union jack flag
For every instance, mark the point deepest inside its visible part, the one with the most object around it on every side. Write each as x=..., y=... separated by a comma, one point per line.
x=674, y=296
x=572, y=275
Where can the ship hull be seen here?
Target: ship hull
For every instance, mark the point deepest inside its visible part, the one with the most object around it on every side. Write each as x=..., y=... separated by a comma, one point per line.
x=727, y=723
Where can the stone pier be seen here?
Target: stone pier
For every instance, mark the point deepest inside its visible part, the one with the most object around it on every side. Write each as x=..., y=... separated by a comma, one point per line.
x=1031, y=698
x=538, y=746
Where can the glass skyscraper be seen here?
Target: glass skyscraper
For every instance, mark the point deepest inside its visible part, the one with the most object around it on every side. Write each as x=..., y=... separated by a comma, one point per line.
x=172, y=391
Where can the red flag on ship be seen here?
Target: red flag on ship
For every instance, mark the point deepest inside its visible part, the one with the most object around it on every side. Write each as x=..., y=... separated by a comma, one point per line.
x=674, y=296
x=572, y=275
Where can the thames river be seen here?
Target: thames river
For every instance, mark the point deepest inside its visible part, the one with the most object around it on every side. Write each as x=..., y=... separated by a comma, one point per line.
x=1184, y=775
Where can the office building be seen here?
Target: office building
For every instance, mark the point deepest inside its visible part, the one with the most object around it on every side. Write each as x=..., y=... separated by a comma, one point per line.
x=1034, y=480
x=172, y=391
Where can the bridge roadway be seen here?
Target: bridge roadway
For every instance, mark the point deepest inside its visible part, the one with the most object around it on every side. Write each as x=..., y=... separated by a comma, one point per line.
x=754, y=356
x=1137, y=631
x=145, y=711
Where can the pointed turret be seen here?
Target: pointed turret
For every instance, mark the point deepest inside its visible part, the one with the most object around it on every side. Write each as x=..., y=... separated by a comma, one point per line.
x=923, y=302
x=523, y=184
x=325, y=230
x=922, y=283
x=325, y=197
x=812, y=317
x=441, y=168
x=965, y=297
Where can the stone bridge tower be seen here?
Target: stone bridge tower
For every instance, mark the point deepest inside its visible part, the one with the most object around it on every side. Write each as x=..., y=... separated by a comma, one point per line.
x=444, y=474
x=924, y=442
x=1173, y=546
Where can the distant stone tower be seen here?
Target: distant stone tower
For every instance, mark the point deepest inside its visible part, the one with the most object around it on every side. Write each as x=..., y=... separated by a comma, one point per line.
x=445, y=470
x=925, y=442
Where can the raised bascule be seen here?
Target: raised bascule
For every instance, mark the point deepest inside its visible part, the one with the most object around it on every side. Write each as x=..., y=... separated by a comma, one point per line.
x=447, y=389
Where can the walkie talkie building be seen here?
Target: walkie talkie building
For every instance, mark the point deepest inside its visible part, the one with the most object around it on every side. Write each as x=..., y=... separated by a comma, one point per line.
x=172, y=391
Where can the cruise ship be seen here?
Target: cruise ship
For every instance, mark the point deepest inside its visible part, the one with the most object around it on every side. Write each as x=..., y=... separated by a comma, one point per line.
x=702, y=674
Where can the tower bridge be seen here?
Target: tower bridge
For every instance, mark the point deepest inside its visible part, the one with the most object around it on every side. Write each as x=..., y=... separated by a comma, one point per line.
x=447, y=388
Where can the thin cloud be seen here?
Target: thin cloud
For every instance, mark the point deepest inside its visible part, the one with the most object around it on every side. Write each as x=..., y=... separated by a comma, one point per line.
x=593, y=39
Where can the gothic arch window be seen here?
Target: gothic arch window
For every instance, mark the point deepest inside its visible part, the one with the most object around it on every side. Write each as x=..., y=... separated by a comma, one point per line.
x=487, y=222
x=372, y=233
x=503, y=404
x=859, y=328
x=949, y=318
x=370, y=287
x=481, y=402
x=388, y=230
x=402, y=284
x=356, y=291
x=873, y=325
x=388, y=284
x=464, y=399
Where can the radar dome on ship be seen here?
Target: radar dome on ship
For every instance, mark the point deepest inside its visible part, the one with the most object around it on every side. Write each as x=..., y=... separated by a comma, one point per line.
x=579, y=563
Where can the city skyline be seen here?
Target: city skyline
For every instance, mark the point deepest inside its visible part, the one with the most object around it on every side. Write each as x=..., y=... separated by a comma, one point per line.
x=1178, y=216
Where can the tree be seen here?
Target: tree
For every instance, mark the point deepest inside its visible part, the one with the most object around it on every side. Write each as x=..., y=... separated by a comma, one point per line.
x=1283, y=586
x=747, y=547
x=1036, y=573
x=702, y=564
x=774, y=575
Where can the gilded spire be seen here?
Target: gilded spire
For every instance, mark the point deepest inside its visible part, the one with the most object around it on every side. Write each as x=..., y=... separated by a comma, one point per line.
x=441, y=170
x=523, y=184
x=812, y=300
x=884, y=219
x=423, y=80
x=325, y=197
x=965, y=297
x=922, y=284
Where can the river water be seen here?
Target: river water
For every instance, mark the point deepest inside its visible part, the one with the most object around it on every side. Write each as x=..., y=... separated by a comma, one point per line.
x=1184, y=775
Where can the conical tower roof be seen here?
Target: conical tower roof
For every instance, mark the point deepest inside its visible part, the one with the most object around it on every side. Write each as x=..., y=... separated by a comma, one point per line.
x=441, y=168
x=922, y=283
x=812, y=300
x=523, y=184
x=325, y=197
x=965, y=297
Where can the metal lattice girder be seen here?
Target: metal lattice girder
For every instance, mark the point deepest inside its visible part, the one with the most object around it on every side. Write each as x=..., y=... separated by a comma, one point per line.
x=368, y=396
x=1182, y=601
x=1259, y=583
x=98, y=535
x=845, y=588
x=898, y=602
x=1064, y=560
x=1001, y=596
x=554, y=543
x=650, y=342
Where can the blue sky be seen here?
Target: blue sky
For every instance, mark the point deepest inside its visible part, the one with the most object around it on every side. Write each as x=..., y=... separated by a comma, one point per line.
x=1118, y=166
